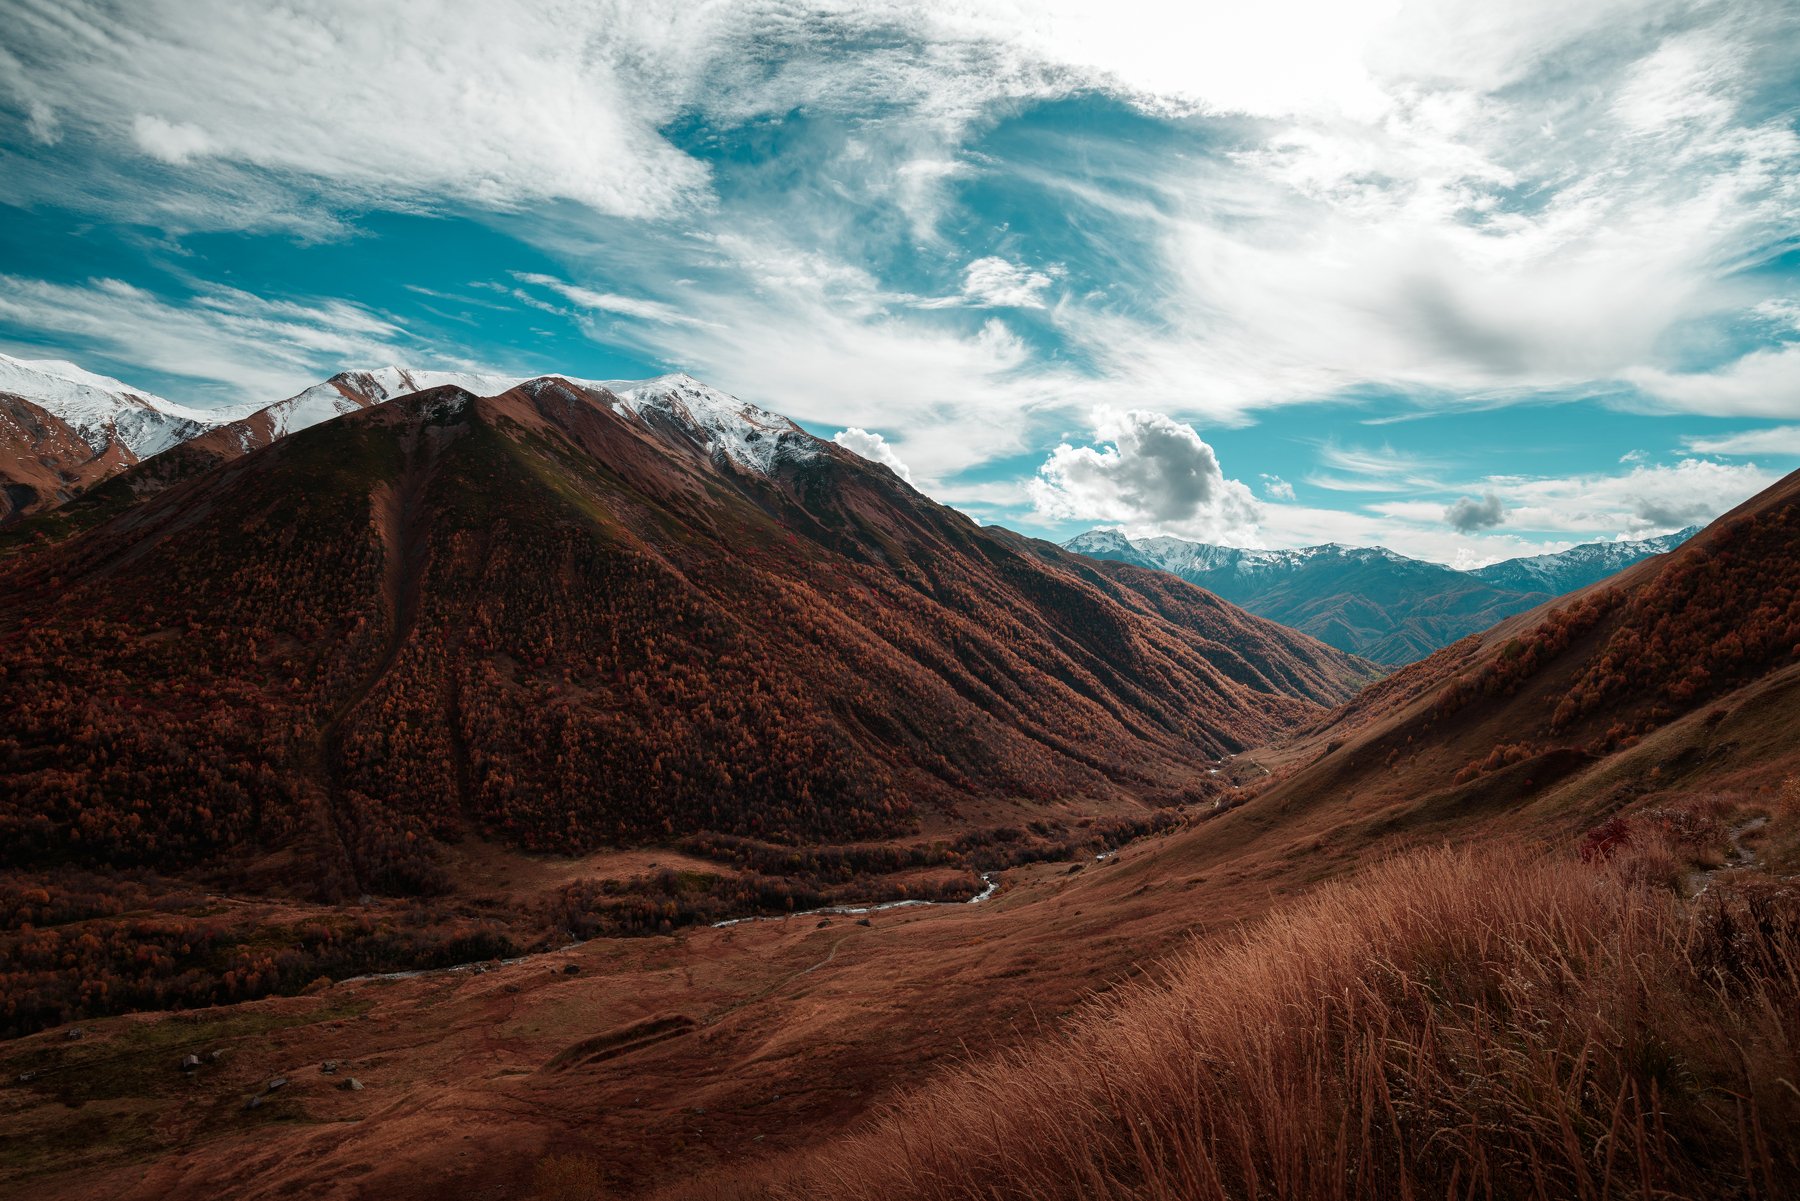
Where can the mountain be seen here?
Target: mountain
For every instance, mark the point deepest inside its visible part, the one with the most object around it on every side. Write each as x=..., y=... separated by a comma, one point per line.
x=343, y=393
x=573, y=615
x=63, y=429
x=1566, y=571
x=1592, y=678
x=1368, y=601
x=1576, y=830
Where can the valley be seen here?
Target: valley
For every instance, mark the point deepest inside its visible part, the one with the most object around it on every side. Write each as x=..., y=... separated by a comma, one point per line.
x=513, y=757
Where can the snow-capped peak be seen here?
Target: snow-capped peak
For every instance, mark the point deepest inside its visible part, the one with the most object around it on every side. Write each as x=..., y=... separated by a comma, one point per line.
x=748, y=435
x=348, y=391
x=103, y=410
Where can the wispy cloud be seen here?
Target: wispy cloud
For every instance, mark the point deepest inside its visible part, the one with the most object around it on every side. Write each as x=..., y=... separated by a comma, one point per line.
x=609, y=302
x=869, y=217
x=235, y=345
x=1776, y=440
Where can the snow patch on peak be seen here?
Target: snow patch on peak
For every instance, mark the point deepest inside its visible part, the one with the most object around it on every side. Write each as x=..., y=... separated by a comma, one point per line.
x=1181, y=557
x=1099, y=539
x=103, y=410
x=348, y=391
x=749, y=436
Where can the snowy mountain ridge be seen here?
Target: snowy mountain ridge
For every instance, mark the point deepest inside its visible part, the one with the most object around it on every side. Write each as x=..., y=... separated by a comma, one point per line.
x=1533, y=573
x=103, y=410
x=348, y=391
x=748, y=435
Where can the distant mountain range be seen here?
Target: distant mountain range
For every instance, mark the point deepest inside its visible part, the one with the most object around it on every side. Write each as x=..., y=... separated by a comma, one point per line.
x=1368, y=600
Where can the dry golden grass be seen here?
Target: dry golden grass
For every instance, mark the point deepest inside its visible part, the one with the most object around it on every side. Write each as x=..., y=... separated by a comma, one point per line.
x=1452, y=1024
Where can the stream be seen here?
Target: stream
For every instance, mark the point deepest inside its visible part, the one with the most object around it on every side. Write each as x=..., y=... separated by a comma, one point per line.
x=989, y=886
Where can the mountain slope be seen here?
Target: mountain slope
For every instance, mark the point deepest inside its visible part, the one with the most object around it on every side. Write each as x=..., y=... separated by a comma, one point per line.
x=1567, y=841
x=1682, y=666
x=566, y=617
x=44, y=461
x=104, y=411
x=1575, y=568
x=63, y=429
x=1365, y=600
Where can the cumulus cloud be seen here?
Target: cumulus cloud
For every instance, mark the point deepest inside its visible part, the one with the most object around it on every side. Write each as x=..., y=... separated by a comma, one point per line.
x=873, y=447
x=172, y=142
x=1276, y=488
x=1150, y=472
x=1467, y=514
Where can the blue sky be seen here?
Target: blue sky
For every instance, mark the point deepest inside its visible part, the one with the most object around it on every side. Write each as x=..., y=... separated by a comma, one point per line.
x=1309, y=272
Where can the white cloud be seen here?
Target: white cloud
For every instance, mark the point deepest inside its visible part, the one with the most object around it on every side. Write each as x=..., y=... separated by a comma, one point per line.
x=1276, y=488
x=171, y=142
x=1542, y=515
x=1683, y=82
x=1152, y=473
x=1425, y=202
x=247, y=347
x=994, y=281
x=1645, y=500
x=1777, y=440
x=41, y=123
x=428, y=100
x=873, y=447
x=1361, y=469
x=609, y=302
x=1763, y=383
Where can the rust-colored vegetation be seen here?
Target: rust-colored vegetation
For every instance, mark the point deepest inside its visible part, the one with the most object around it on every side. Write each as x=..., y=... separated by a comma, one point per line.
x=1490, y=1024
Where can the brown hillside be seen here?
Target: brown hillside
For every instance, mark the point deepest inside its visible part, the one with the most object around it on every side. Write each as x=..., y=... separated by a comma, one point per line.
x=44, y=462
x=741, y=1054
x=540, y=619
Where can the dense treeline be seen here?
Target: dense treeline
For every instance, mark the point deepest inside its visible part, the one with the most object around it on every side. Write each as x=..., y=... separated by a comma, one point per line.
x=59, y=962
x=667, y=900
x=987, y=849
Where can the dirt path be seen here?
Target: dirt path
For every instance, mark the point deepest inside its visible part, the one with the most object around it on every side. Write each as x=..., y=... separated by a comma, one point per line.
x=1738, y=857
